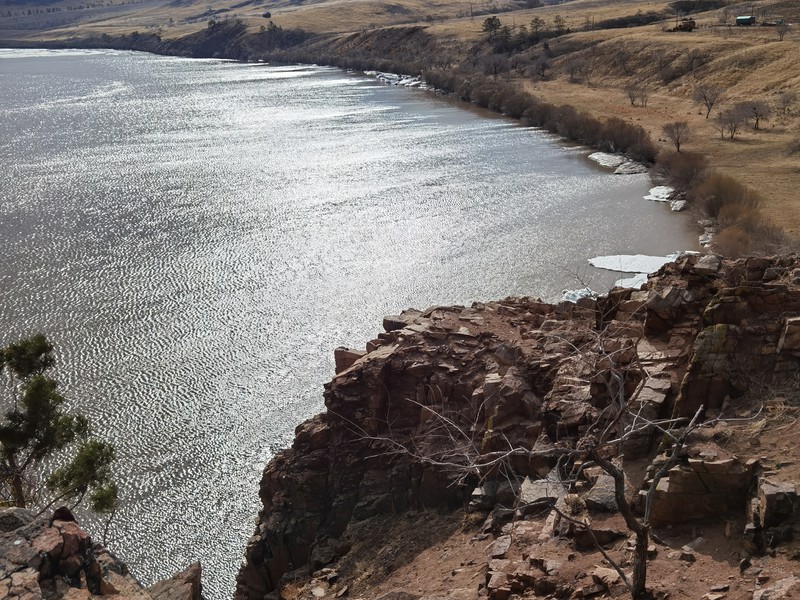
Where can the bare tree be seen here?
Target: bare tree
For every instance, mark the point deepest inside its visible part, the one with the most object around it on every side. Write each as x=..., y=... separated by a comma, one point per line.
x=664, y=63
x=540, y=68
x=782, y=29
x=677, y=132
x=574, y=68
x=730, y=121
x=785, y=100
x=643, y=94
x=707, y=95
x=697, y=58
x=622, y=57
x=453, y=440
x=661, y=59
x=757, y=110
x=641, y=527
x=495, y=65
x=588, y=72
x=632, y=90
x=638, y=92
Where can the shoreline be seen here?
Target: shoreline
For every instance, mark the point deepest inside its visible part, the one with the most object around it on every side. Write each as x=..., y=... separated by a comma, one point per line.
x=619, y=137
x=615, y=163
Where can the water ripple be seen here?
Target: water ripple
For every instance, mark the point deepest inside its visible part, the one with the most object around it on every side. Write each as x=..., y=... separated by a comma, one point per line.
x=197, y=236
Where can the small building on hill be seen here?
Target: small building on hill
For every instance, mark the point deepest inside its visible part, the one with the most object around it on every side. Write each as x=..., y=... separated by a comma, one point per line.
x=745, y=20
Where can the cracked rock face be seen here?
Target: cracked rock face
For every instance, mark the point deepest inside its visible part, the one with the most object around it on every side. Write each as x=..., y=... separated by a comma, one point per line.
x=55, y=559
x=449, y=387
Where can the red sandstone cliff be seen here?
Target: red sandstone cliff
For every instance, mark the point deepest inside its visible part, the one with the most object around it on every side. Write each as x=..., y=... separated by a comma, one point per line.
x=420, y=418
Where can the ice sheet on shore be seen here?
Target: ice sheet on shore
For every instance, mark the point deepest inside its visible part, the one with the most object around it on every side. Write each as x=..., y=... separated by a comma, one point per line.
x=636, y=281
x=639, y=264
x=678, y=205
x=400, y=80
x=632, y=263
x=622, y=164
x=575, y=295
x=660, y=193
x=606, y=159
x=631, y=167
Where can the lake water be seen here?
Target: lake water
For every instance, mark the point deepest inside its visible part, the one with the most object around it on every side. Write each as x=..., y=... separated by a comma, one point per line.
x=197, y=236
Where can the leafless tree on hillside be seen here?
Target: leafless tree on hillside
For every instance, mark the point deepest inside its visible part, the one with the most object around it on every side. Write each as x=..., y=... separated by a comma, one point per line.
x=730, y=121
x=588, y=72
x=781, y=29
x=757, y=110
x=622, y=57
x=785, y=100
x=632, y=91
x=707, y=95
x=638, y=92
x=677, y=132
x=697, y=58
x=540, y=68
x=495, y=65
x=573, y=68
x=661, y=59
x=644, y=94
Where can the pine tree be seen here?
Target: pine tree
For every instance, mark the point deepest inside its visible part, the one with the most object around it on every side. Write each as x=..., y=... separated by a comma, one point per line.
x=35, y=427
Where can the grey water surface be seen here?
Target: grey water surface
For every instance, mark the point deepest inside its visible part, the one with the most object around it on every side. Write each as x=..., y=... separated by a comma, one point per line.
x=197, y=236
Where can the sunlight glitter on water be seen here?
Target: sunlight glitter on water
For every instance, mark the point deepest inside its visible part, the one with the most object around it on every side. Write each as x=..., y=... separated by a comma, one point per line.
x=197, y=236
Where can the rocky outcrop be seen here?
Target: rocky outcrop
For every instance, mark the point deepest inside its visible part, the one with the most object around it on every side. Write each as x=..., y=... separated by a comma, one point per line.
x=458, y=404
x=54, y=558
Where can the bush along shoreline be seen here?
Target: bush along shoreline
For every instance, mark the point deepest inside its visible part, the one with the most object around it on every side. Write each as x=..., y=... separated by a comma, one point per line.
x=729, y=210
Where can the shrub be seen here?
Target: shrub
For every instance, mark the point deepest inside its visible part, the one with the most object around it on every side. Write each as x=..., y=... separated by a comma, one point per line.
x=735, y=214
x=682, y=170
x=736, y=209
x=631, y=140
x=793, y=147
x=718, y=190
x=732, y=241
x=516, y=104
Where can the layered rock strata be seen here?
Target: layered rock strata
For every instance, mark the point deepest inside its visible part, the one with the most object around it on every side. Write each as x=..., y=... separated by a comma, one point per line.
x=454, y=404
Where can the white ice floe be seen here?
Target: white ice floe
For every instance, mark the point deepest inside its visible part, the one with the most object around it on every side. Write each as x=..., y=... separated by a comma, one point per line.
x=622, y=164
x=636, y=281
x=606, y=159
x=399, y=80
x=678, y=205
x=630, y=167
x=575, y=295
x=640, y=264
x=660, y=193
x=632, y=263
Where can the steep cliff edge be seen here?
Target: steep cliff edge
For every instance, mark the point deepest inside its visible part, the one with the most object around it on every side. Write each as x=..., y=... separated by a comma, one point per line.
x=455, y=404
x=53, y=558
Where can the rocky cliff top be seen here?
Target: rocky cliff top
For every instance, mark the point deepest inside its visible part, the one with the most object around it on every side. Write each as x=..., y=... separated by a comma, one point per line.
x=489, y=406
x=51, y=557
